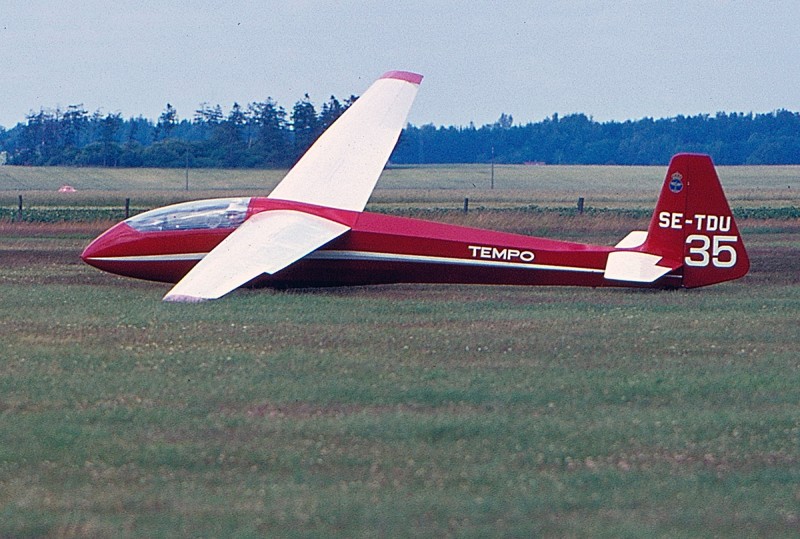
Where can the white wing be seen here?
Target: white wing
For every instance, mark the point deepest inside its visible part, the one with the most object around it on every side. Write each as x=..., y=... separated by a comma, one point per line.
x=265, y=243
x=342, y=167
x=339, y=171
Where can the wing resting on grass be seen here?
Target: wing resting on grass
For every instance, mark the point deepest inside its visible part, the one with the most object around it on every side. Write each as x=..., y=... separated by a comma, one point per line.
x=265, y=243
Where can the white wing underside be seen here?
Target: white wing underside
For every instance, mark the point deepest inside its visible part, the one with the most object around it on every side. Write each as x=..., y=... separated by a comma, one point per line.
x=342, y=167
x=265, y=243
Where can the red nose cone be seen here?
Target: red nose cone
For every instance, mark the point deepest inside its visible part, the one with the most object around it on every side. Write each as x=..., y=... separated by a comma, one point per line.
x=154, y=255
x=110, y=243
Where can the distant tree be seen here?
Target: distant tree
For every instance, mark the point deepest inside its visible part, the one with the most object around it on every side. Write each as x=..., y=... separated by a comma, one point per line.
x=138, y=130
x=350, y=101
x=228, y=137
x=330, y=112
x=110, y=126
x=208, y=114
x=42, y=140
x=206, y=118
x=237, y=116
x=305, y=125
x=76, y=120
x=271, y=145
x=166, y=122
x=504, y=122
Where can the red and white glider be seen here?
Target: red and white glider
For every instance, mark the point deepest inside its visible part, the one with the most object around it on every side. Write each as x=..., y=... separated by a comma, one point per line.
x=312, y=230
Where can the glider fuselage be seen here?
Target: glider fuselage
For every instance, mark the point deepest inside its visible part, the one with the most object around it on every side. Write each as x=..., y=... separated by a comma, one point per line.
x=378, y=249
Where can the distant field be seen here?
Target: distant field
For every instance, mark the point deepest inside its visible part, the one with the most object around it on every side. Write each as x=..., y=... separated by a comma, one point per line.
x=460, y=177
x=439, y=186
x=426, y=411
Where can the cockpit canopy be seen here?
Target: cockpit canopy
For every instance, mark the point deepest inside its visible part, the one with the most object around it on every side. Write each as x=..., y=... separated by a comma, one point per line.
x=196, y=215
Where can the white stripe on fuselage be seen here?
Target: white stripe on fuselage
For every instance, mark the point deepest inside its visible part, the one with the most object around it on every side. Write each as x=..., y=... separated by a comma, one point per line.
x=180, y=257
x=394, y=257
x=365, y=256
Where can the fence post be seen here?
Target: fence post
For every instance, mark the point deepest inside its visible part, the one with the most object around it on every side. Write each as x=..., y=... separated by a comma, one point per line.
x=19, y=209
x=466, y=205
x=580, y=205
x=127, y=207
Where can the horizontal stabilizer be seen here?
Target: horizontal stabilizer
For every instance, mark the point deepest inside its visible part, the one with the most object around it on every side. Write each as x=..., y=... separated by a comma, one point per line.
x=636, y=267
x=632, y=240
x=266, y=243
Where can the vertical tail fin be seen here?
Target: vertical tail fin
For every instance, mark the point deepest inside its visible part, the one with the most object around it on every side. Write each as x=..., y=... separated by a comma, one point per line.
x=693, y=224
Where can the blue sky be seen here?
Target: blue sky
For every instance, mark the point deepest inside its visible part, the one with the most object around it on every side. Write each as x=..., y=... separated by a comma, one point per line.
x=612, y=60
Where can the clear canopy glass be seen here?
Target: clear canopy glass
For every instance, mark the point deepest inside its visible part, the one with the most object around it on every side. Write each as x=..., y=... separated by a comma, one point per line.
x=196, y=215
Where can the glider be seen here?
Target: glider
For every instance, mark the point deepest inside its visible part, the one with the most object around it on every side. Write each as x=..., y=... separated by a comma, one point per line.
x=312, y=230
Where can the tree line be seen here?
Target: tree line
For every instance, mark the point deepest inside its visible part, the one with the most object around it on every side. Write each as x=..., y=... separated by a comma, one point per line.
x=260, y=134
x=263, y=134
x=730, y=138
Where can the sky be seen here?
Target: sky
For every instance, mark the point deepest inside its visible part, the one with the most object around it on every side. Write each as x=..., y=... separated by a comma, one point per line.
x=611, y=60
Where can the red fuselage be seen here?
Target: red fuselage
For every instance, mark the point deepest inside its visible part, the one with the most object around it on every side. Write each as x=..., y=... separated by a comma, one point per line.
x=378, y=249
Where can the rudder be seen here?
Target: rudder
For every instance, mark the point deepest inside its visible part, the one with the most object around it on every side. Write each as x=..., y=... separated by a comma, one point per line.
x=693, y=223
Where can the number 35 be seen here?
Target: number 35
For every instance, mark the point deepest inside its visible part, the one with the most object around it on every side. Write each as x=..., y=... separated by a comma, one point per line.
x=699, y=255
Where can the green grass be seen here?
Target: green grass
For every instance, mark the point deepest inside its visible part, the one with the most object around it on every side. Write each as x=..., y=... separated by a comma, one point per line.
x=399, y=410
x=409, y=410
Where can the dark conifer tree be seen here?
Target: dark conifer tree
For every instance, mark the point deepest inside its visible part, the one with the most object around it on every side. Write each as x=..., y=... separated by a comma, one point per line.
x=166, y=123
x=305, y=125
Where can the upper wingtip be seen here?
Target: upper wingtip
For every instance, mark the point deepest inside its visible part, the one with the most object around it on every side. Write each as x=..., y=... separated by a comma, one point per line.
x=413, y=78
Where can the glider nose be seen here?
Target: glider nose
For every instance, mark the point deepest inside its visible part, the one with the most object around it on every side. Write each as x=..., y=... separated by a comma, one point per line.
x=107, y=245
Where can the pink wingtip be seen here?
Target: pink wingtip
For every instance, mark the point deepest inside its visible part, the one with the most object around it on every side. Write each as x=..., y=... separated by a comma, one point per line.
x=407, y=76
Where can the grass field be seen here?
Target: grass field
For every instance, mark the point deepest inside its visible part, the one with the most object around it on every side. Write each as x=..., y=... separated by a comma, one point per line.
x=423, y=411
